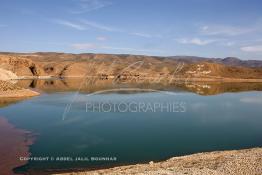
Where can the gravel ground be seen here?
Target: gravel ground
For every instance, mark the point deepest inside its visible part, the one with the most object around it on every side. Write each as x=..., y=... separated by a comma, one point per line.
x=236, y=162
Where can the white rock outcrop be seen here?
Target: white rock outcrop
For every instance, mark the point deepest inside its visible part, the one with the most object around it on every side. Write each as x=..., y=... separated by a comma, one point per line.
x=7, y=75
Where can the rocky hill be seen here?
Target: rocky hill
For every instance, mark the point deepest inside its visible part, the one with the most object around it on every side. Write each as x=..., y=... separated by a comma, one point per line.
x=126, y=67
x=228, y=61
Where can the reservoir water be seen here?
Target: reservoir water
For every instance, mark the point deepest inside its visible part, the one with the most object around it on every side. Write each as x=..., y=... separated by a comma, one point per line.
x=127, y=126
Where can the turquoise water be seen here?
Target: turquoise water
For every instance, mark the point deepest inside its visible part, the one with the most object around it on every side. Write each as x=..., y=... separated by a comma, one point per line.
x=198, y=123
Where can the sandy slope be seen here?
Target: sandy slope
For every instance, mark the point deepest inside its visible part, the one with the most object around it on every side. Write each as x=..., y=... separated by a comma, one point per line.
x=236, y=162
x=8, y=90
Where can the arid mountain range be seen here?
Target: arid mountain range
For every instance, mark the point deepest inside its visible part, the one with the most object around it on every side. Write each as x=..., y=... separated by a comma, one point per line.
x=51, y=64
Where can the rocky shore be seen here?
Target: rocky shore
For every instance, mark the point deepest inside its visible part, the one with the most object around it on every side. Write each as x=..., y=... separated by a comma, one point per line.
x=236, y=162
x=9, y=90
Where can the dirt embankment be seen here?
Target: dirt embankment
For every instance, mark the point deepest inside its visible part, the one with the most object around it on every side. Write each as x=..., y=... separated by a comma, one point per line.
x=236, y=162
x=14, y=144
x=9, y=90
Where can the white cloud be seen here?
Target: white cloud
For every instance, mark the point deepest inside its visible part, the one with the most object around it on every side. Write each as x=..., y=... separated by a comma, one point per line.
x=101, y=38
x=129, y=49
x=145, y=35
x=195, y=41
x=225, y=30
x=87, y=46
x=229, y=43
x=84, y=46
x=256, y=48
x=100, y=26
x=70, y=24
x=204, y=28
x=114, y=29
x=84, y=6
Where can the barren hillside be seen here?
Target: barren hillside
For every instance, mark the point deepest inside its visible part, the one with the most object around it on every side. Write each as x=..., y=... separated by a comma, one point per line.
x=121, y=66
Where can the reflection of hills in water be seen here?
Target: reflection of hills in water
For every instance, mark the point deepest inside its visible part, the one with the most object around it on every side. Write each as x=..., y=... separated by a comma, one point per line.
x=92, y=85
x=8, y=101
x=213, y=88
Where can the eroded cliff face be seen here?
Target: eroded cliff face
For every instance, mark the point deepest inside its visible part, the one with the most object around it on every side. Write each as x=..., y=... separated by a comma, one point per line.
x=26, y=68
x=98, y=65
x=19, y=66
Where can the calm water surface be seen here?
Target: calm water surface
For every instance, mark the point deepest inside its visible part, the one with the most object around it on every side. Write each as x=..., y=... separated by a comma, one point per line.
x=199, y=123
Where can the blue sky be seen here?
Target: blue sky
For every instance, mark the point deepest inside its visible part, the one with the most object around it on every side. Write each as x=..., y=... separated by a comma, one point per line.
x=210, y=28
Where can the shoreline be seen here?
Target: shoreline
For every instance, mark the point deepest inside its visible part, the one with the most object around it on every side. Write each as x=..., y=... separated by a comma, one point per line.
x=23, y=93
x=232, y=162
x=9, y=90
x=171, y=79
x=14, y=91
x=15, y=143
